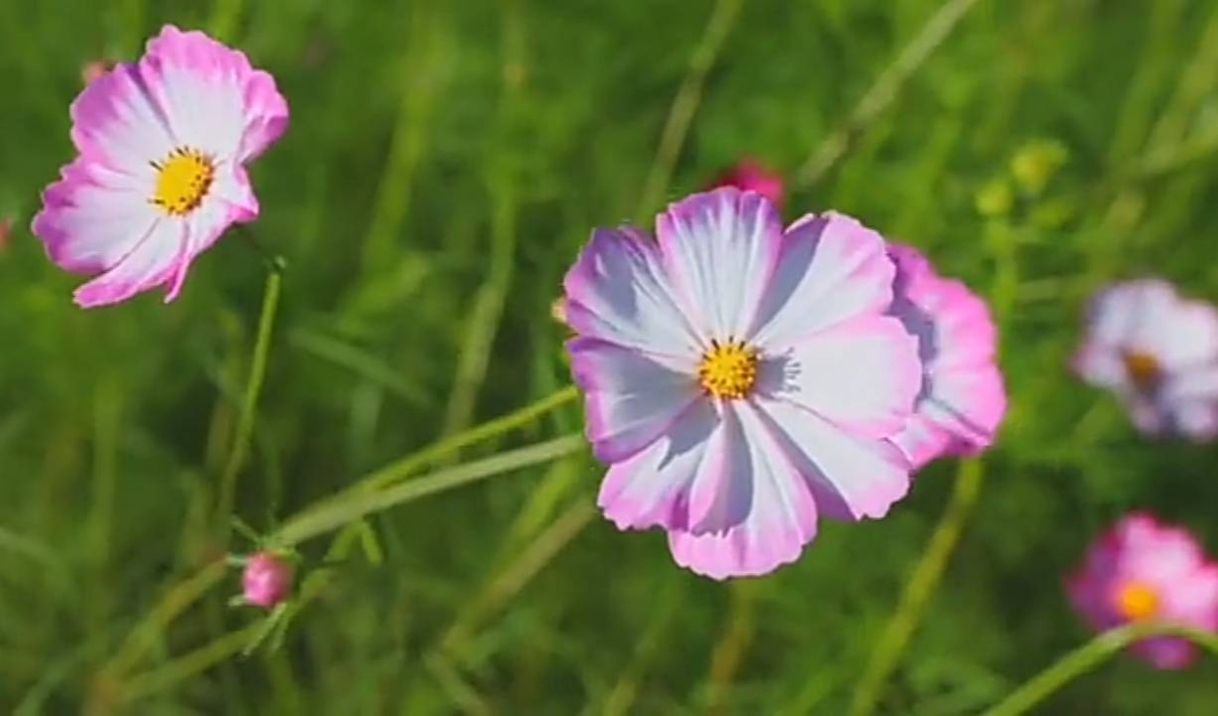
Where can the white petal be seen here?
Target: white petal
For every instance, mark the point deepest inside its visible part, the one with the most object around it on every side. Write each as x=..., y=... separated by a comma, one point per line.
x=851, y=477
x=619, y=292
x=720, y=248
x=831, y=269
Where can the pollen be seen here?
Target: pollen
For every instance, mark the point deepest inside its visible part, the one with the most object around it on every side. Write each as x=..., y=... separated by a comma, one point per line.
x=728, y=370
x=183, y=180
x=1143, y=370
x=1136, y=601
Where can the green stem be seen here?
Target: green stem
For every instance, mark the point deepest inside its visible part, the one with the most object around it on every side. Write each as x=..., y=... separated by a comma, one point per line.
x=225, y=16
x=334, y=513
x=395, y=471
x=1087, y=657
x=187, y=592
x=249, y=405
x=508, y=582
x=189, y=664
x=918, y=591
x=886, y=88
x=685, y=104
x=149, y=631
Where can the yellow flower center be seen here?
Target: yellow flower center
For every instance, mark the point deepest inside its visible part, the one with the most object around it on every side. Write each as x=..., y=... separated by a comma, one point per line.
x=183, y=180
x=1136, y=601
x=728, y=370
x=1143, y=369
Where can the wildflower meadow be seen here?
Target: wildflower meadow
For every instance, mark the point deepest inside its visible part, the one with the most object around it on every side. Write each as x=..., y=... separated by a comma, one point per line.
x=538, y=357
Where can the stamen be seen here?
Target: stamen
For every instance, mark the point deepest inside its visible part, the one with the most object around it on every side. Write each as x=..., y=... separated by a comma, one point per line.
x=729, y=369
x=184, y=178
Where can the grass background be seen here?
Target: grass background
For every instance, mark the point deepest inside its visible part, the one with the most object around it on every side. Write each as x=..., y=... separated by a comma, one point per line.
x=444, y=163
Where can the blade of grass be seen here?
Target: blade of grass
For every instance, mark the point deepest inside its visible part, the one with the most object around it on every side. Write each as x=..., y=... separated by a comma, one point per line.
x=885, y=89
x=685, y=105
x=334, y=513
x=918, y=590
x=1087, y=657
x=249, y=404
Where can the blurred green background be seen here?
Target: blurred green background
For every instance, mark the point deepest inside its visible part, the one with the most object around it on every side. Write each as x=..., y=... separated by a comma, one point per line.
x=444, y=163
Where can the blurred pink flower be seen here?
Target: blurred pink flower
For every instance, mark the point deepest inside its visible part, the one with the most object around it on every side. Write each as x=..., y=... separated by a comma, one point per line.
x=1159, y=353
x=161, y=175
x=962, y=400
x=267, y=580
x=741, y=379
x=1143, y=570
x=93, y=70
x=6, y=231
x=751, y=175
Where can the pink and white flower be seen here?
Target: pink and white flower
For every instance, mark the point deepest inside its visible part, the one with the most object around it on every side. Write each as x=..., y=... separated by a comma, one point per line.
x=741, y=380
x=1143, y=570
x=1158, y=352
x=163, y=144
x=752, y=175
x=962, y=399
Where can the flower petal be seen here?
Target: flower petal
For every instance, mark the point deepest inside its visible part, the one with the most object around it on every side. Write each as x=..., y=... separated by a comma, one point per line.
x=721, y=493
x=1184, y=337
x=863, y=375
x=850, y=477
x=618, y=291
x=204, y=228
x=962, y=398
x=92, y=217
x=969, y=404
x=631, y=397
x=212, y=97
x=1118, y=311
x=781, y=514
x=117, y=123
x=650, y=488
x=1102, y=366
x=720, y=248
x=922, y=440
x=151, y=263
x=831, y=269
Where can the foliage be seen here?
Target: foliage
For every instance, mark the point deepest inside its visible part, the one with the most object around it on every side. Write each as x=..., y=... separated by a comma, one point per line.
x=444, y=163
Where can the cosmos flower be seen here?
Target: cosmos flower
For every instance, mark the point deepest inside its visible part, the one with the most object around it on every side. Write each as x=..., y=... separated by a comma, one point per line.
x=741, y=380
x=962, y=399
x=266, y=581
x=1143, y=570
x=751, y=175
x=160, y=174
x=1159, y=353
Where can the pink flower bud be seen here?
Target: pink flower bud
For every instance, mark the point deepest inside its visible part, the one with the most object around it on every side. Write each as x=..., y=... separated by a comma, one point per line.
x=267, y=580
x=750, y=175
x=92, y=70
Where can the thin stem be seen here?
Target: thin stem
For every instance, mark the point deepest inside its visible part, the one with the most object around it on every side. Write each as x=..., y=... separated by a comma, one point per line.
x=335, y=513
x=225, y=16
x=732, y=646
x=918, y=591
x=685, y=104
x=175, y=601
x=249, y=405
x=401, y=469
x=1087, y=657
x=189, y=664
x=486, y=314
x=191, y=589
x=886, y=88
x=508, y=582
